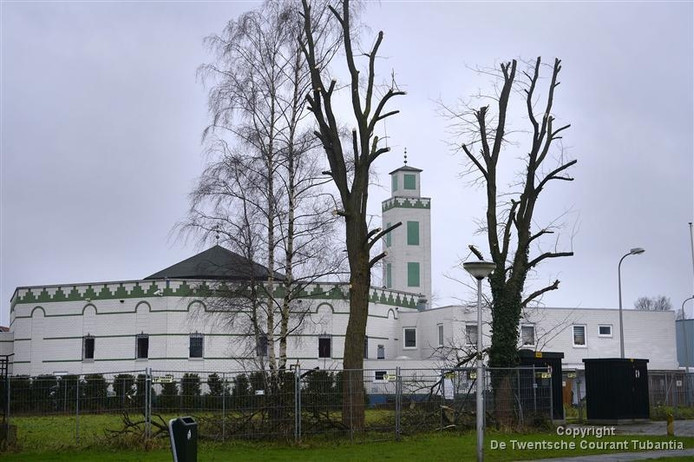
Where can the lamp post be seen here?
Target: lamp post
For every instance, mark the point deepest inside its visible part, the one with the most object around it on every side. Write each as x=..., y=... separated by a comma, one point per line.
x=479, y=270
x=634, y=251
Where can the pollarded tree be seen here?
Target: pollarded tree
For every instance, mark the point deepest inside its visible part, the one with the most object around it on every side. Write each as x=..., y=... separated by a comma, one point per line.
x=350, y=168
x=509, y=222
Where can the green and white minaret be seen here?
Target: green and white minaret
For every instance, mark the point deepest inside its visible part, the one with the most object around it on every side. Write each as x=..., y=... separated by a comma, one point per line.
x=407, y=265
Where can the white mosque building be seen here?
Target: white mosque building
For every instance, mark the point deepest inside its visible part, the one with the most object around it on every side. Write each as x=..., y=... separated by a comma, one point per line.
x=164, y=321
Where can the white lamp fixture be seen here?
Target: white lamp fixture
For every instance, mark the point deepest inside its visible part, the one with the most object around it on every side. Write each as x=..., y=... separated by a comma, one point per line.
x=479, y=270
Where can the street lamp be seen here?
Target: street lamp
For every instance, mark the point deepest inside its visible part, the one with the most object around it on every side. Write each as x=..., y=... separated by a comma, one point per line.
x=479, y=270
x=634, y=251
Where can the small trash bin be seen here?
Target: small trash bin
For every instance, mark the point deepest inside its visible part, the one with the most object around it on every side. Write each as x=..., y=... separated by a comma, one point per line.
x=183, y=432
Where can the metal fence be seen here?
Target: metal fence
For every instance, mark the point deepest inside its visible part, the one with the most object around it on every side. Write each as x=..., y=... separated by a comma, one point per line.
x=671, y=388
x=293, y=405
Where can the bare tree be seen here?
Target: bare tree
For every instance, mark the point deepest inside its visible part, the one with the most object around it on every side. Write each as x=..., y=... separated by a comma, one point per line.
x=350, y=167
x=659, y=303
x=512, y=233
x=261, y=192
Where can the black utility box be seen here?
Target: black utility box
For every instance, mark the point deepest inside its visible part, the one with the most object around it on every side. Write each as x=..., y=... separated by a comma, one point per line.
x=617, y=389
x=183, y=432
x=551, y=361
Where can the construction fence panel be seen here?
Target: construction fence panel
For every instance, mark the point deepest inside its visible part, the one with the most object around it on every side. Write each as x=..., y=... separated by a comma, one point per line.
x=229, y=405
x=289, y=405
x=671, y=388
x=85, y=404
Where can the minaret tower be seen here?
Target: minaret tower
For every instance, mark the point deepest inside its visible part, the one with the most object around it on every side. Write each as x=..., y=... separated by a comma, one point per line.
x=407, y=265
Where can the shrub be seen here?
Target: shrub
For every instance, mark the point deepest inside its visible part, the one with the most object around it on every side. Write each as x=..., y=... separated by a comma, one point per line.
x=168, y=399
x=123, y=389
x=190, y=390
x=95, y=392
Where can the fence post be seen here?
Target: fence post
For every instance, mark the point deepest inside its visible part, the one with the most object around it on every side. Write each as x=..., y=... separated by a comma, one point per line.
x=580, y=401
x=77, y=411
x=534, y=382
x=148, y=402
x=224, y=409
x=398, y=402
x=297, y=403
x=443, y=398
x=521, y=417
x=551, y=396
x=351, y=404
x=9, y=395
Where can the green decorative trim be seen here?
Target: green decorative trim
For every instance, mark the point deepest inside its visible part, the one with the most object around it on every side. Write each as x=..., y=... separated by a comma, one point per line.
x=406, y=203
x=147, y=289
x=186, y=335
x=218, y=358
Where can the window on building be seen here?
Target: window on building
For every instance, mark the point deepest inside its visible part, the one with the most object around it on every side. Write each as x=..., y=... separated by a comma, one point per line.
x=195, y=346
x=440, y=329
x=142, y=346
x=410, y=181
x=579, y=333
x=389, y=236
x=366, y=347
x=380, y=376
x=605, y=330
x=471, y=334
x=389, y=275
x=261, y=347
x=324, y=347
x=381, y=352
x=394, y=182
x=412, y=233
x=410, y=334
x=412, y=274
x=88, y=347
x=528, y=334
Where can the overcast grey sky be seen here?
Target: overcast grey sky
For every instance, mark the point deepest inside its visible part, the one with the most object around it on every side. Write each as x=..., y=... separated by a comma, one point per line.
x=102, y=119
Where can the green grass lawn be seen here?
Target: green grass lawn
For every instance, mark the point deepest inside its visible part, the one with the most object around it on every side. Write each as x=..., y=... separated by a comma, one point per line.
x=438, y=447
x=53, y=439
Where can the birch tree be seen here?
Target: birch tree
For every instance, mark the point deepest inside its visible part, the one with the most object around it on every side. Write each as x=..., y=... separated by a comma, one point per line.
x=260, y=193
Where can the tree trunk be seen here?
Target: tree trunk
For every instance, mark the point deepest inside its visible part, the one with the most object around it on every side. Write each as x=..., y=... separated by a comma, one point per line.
x=353, y=360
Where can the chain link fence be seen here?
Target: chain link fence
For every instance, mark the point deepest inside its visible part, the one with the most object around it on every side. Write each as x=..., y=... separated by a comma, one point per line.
x=291, y=405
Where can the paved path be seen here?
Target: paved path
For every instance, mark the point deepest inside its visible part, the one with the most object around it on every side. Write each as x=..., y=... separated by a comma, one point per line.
x=682, y=428
x=624, y=457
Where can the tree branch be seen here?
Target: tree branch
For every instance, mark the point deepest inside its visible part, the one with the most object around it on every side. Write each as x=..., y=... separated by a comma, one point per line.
x=382, y=233
x=537, y=293
x=547, y=255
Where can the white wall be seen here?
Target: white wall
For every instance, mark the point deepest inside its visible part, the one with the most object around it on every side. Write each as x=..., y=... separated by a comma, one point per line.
x=48, y=335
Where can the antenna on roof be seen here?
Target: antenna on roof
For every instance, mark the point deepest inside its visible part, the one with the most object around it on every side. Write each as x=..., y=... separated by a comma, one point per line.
x=405, y=156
